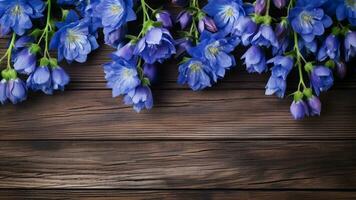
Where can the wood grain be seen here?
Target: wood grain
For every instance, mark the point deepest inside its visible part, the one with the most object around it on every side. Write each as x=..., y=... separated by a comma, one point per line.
x=178, y=115
x=178, y=165
x=173, y=195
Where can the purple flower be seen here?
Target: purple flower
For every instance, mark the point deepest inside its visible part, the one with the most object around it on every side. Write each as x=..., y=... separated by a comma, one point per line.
x=260, y=7
x=265, y=36
x=156, y=45
x=350, y=45
x=282, y=65
x=25, y=61
x=16, y=90
x=255, y=60
x=314, y=105
x=140, y=98
x=41, y=79
x=164, y=17
x=207, y=23
x=282, y=34
x=184, y=18
x=126, y=51
x=280, y=3
x=341, y=69
x=330, y=48
x=321, y=79
x=59, y=78
x=299, y=109
x=113, y=37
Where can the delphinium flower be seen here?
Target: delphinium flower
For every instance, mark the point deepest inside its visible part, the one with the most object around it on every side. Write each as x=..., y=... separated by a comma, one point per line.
x=22, y=60
x=16, y=15
x=133, y=66
x=208, y=50
x=73, y=40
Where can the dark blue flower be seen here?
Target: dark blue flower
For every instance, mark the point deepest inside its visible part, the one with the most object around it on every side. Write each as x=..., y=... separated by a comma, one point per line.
x=309, y=21
x=140, y=98
x=122, y=76
x=350, y=45
x=299, y=109
x=184, y=18
x=150, y=71
x=321, y=79
x=282, y=34
x=156, y=46
x=25, y=61
x=16, y=90
x=255, y=60
x=282, y=65
x=16, y=15
x=165, y=18
x=41, y=79
x=114, y=37
x=330, y=48
x=74, y=41
x=196, y=73
x=59, y=78
x=226, y=13
x=265, y=36
x=115, y=13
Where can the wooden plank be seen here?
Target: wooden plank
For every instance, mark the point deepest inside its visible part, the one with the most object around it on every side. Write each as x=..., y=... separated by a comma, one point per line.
x=178, y=114
x=183, y=165
x=173, y=195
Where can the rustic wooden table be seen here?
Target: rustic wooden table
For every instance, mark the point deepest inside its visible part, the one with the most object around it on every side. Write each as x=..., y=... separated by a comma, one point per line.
x=229, y=142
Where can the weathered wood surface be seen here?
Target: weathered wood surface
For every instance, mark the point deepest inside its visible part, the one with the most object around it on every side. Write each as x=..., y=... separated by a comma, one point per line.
x=172, y=194
x=178, y=165
x=229, y=142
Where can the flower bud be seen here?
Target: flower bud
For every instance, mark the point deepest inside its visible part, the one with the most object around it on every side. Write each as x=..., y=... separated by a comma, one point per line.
x=299, y=109
x=280, y=3
x=16, y=91
x=184, y=18
x=164, y=17
x=207, y=23
x=314, y=105
x=260, y=7
x=3, y=86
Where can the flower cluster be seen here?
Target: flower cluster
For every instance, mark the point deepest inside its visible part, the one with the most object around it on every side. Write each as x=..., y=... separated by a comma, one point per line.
x=314, y=40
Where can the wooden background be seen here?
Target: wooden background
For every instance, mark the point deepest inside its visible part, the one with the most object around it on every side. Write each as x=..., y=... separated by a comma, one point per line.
x=229, y=142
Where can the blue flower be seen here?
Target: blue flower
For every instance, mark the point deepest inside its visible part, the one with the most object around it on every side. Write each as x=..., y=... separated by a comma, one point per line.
x=115, y=13
x=74, y=41
x=282, y=65
x=350, y=45
x=41, y=79
x=215, y=49
x=277, y=86
x=321, y=79
x=330, y=48
x=165, y=18
x=25, y=61
x=59, y=78
x=282, y=34
x=122, y=76
x=17, y=14
x=265, y=36
x=346, y=9
x=156, y=45
x=227, y=13
x=115, y=36
x=255, y=60
x=196, y=73
x=16, y=90
x=309, y=21
x=140, y=98
x=245, y=29
x=299, y=109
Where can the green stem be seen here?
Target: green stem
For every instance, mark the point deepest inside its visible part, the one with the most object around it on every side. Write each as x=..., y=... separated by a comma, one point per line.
x=45, y=34
x=146, y=16
x=268, y=7
x=8, y=52
x=300, y=58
